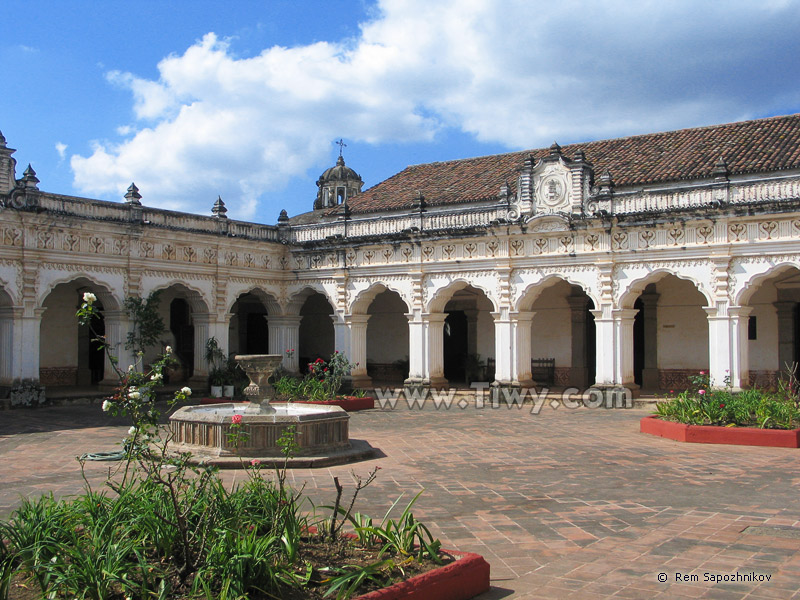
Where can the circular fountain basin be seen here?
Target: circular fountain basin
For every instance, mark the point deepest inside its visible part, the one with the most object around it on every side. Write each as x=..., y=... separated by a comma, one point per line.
x=204, y=430
x=322, y=435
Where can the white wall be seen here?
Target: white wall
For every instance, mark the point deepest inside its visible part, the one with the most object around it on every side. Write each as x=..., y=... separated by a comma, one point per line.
x=764, y=349
x=551, y=327
x=316, y=329
x=59, y=328
x=682, y=325
x=387, y=329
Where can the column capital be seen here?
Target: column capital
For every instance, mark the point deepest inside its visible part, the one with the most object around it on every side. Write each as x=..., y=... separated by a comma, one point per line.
x=522, y=316
x=434, y=317
x=356, y=319
x=285, y=320
x=624, y=314
x=740, y=311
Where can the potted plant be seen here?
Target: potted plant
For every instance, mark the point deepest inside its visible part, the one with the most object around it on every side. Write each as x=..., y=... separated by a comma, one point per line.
x=217, y=379
x=215, y=359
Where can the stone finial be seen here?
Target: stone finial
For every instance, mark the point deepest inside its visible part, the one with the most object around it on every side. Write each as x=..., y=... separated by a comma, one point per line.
x=605, y=184
x=283, y=218
x=419, y=202
x=555, y=149
x=505, y=191
x=219, y=209
x=2, y=140
x=720, y=169
x=133, y=196
x=29, y=179
x=579, y=156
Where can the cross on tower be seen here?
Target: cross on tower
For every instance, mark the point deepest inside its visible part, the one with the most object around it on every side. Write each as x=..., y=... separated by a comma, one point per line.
x=341, y=145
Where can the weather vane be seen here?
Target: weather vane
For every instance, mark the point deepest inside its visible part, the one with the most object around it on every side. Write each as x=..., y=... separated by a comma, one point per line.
x=341, y=145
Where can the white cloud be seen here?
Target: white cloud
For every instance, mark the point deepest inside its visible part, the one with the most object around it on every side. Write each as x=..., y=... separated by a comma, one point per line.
x=517, y=73
x=61, y=148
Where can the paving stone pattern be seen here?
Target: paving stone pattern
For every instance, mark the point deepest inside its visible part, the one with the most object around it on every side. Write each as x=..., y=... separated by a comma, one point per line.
x=563, y=504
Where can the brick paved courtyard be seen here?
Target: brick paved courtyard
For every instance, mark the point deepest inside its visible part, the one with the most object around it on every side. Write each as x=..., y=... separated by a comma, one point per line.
x=563, y=504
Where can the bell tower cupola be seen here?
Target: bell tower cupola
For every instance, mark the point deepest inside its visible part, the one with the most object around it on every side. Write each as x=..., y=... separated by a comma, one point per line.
x=337, y=184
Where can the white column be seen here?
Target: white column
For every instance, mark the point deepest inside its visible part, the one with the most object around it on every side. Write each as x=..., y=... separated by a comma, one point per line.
x=341, y=334
x=623, y=334
x=8, y=316
x=503, y=350
x=26, y=344
x=117, y=324
x=740, y=355
x=521, y=335
x=604, y=342
x=201, y=322
x=284, y=334
x=358, y=350
x=728, y=356
x=417, y=349
x=435, y=356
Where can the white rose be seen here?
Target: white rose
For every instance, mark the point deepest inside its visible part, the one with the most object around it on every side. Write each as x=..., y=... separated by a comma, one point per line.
x=89, y=297
x=134, y=395
x=132, y=430
x=156, y=377
x=106, y=405
x=187, y=391
x=168, y=350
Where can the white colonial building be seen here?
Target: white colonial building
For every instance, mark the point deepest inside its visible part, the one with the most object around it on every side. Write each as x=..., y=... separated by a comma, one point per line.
x=627, y=262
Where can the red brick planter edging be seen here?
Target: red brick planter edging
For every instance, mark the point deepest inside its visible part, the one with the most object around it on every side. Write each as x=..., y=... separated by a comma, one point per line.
x=348, y=403
x=710, y=434
x=460, y=580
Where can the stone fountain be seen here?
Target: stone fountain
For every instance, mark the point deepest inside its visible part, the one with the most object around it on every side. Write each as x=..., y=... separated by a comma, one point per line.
x=322, y=432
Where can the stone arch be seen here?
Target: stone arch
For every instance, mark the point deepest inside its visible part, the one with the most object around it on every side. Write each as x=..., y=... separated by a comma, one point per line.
x=185, y=310
x=102, y=289
x=363, y=300
x=298, y=298
x=467, y=349
x=441, y=296
x=6, y=299
x=668, y=329
x=561, y=338
x=316, y=334
x=268, y=299
x=771, y=305
x=6, y=334
x=532, y=290
x=248, y=331
x=633, y=290
x=750, y=285
x=194, y=296
x=69, y=354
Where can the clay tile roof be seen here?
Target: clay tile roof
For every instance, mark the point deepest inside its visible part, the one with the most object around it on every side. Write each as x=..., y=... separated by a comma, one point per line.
x=749, y=146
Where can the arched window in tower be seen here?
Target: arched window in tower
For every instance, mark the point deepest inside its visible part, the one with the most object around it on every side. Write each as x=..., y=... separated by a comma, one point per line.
x=341, y=195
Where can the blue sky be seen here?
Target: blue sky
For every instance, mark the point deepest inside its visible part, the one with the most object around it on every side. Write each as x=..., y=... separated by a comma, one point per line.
x=195, y=99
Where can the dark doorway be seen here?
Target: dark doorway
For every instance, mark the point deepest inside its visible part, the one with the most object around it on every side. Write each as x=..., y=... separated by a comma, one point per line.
x=638, y=342
x=796, y=331
x=455, y=345
x=180, y=324
x=257, y=341
x=91, y=357
x=591, y=344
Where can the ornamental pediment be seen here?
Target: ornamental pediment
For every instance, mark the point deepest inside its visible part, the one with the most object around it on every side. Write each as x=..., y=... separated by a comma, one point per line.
x=552, y=185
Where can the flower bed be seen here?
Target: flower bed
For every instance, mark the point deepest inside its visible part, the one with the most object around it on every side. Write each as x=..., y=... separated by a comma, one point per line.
x=462, y=579
x=711, y=434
